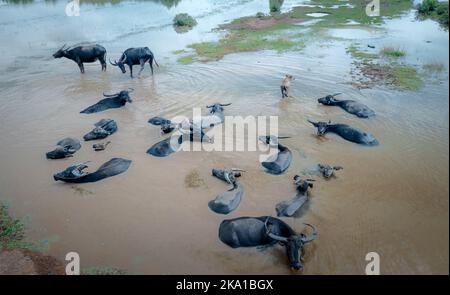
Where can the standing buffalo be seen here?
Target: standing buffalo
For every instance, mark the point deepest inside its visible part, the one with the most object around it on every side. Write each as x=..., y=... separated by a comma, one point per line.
x=82, y=54
x=266, y=230
x=135, y=56
x=345, y=131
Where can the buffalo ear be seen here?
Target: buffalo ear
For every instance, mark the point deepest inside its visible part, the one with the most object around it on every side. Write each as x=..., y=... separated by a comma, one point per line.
x=310, y=185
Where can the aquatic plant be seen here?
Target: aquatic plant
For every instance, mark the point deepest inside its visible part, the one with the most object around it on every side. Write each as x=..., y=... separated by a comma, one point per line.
x=435, y=10
x=184, y=20
x=275, y=5
x=393, y=52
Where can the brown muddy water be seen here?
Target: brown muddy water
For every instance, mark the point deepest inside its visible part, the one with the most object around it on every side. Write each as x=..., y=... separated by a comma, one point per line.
x=391, y=199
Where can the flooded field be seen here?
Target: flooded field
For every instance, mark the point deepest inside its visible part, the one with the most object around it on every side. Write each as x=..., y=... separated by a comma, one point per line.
x=391, y=199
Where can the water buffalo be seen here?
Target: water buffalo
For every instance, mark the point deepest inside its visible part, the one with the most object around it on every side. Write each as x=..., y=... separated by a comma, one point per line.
x=290, y=207
x=111, y=101
x=345, y=131
x=135, y=56
x=351, y=106
x=266, y=230
x=83, y=53
x=278, y=163
x=229, y=200
x=75, y=173
x=103, y=129
x=327, y=171
x=64, y=148
x=173, y=143
x=217, y=116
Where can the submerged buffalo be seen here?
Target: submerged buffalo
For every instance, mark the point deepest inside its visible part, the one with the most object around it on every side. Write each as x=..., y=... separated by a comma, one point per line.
x=103, y=129
x=135, y=56
x=266, y=230
x=327, y=171
x=64, y=148
x=229, y=200
x=75, y=173
x=111, y=101
x=290, y=207
x=83, y=53
x=345, y=131
x=217, y=115
x=278, y=163
x=351, y=106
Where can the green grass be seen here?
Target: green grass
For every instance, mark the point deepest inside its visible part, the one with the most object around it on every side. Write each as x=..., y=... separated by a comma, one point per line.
x=185, y=60
x=184, y=20
x=282, y=35
x=435, y=10
x=341, y=15
x=434, y=67
x=355, y=52
x=393, y=52
x=12, y=231
x=406, y=78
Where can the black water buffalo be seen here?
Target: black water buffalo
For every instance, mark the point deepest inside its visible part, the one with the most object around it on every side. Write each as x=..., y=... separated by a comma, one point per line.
x=351, y=106
x=217, y=115
x=327, y=171
x=229, y=200
x=266, y=230
x=83, y=53
x=345, y=131
x=75, y=173
x=135, y=56
x=174, y=143
x=64, y=148
x=103, y=129
x=112, y=101
x=290, y=207
x=278, y=163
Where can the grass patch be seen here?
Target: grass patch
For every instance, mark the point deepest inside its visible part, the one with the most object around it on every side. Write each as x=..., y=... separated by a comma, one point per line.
x=406, y=77
x=178, y=52
x=102, y=271
x=434, y=67
x=193, y=180
x=355, y=52
x=185, y=60
x=393, y=52
x=184, y=20
x=433, y=9
x=279, y=31
x=275, y=5
x=12, y=231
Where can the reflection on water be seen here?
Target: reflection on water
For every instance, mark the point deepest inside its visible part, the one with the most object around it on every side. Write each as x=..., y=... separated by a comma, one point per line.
x=387, y=199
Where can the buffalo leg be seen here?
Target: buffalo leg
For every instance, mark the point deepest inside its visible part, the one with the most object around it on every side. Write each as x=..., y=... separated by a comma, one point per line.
x=131, y=71
x=81, y=66
x=151, y=64
x=142, y=63
x=103, y=63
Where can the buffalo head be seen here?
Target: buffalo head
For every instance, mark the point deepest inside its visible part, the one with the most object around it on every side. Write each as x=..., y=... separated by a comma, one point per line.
x=217, y=107
x=123, y=95
x=329, y=99
x=61, y=52
x=294, y=244
x=120, y=63
x=322, y=127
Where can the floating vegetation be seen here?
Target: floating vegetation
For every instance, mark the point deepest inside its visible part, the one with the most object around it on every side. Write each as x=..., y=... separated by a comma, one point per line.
x=194, y=180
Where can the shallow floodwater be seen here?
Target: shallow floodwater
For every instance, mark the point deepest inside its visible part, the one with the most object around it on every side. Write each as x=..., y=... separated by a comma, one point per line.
x=391, y=199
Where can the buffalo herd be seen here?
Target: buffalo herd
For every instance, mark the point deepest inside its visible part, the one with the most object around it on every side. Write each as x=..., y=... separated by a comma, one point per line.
x=238, y=232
